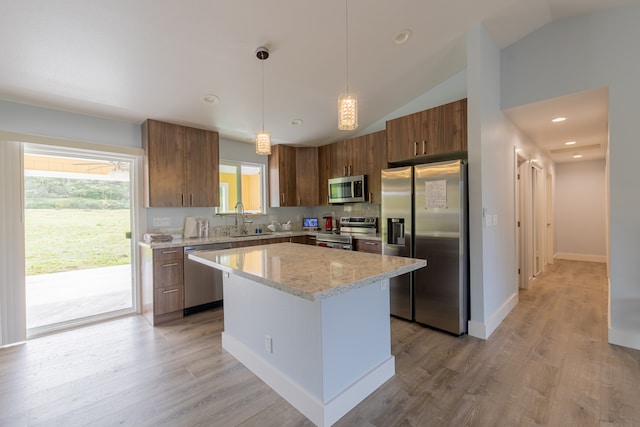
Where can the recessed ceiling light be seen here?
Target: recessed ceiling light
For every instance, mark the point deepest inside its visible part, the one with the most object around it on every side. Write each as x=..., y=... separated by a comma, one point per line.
x=295, y=122
x=577, y=156
x=211, y=98
x=402, y=36
x=559, y=119
x=570, y=143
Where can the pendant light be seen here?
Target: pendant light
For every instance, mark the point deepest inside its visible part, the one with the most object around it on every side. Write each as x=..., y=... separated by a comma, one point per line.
x=263, y=139
x=347, y=102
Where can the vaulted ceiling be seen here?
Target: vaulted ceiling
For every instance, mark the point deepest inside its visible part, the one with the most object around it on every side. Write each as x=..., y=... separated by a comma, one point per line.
x=162, y=59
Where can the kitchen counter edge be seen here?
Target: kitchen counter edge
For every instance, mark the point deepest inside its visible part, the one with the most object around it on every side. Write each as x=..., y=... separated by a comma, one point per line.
x=177, y=243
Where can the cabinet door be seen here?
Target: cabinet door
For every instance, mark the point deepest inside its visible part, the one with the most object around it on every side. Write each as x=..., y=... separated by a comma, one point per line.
x=376, y=156
x=453, y=119
x=282, y=176
x=202, y=168
x=164, y=147
x=401, y=143
x=338, y=154
x=307, y=180
x=356, y=157
x=324, y=173
x=430, y=140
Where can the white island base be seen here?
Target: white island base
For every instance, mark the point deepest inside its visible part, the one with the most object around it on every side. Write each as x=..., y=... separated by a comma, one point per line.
x=323, y=356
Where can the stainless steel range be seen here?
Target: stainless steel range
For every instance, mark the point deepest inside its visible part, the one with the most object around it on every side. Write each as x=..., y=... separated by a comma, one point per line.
x=356, y=225
x=335, y=241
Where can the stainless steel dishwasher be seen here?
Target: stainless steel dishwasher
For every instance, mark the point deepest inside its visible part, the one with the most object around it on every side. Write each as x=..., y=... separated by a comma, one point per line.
x=202, y=284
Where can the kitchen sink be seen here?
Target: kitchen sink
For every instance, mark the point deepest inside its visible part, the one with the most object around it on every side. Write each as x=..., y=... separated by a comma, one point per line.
x=232, y=235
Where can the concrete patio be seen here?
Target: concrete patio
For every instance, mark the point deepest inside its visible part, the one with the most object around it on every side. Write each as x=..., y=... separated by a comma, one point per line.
x=60, y=297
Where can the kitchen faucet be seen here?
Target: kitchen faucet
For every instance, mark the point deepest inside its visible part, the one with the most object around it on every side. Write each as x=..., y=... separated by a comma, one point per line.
x=240, y=223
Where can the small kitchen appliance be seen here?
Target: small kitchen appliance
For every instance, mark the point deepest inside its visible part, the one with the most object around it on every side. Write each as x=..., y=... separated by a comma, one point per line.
x=310, y=223
x=328, y=223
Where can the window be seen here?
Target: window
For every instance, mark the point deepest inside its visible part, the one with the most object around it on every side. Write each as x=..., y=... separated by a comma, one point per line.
x=241, y=181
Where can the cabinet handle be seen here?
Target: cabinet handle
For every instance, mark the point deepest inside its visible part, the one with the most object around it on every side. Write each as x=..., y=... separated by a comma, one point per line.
x=344, y=170
x=299, y=201
x=415, y=148
x=182, y=199
x=370, y=197
x=173, y=264
x=370, y=243
x=424, y=147
x=350, y=172
x=191, y=199
x=282, y=199
x=169, y=252
x=170, y=291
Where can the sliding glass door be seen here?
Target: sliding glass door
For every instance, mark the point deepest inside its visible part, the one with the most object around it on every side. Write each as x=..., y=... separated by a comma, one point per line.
x=78, y=247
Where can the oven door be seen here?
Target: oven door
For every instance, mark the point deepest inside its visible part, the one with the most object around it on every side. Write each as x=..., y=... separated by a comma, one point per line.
x=334, y=245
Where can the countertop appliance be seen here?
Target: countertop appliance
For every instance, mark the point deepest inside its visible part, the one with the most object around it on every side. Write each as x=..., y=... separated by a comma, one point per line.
x=358, y=225
x=334, y=241
x=202, y=284
x=348, y=189
x=424, y=215
x=328, y=223
x=309, y=223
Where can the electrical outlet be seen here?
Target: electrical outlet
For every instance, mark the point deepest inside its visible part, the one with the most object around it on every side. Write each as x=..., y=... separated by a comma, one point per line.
x=161, y=222
x=268, y=344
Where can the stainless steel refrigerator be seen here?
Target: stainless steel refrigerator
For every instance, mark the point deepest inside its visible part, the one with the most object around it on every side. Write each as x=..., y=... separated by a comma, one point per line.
x=424, y=215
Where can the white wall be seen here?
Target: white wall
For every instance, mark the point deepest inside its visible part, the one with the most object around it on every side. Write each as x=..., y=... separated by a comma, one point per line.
x=452, y=89
x=580, y=211
x=31, y=120
x=493, y=141
x=579, y=54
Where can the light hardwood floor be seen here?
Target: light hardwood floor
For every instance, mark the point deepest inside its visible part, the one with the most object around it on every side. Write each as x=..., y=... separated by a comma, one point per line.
x=548, y=363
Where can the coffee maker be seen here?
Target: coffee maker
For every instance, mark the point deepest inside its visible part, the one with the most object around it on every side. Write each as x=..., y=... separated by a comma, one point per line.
x=328, y=223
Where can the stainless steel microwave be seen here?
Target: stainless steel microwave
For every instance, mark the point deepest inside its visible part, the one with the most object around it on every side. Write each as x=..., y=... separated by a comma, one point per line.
x=348, y=189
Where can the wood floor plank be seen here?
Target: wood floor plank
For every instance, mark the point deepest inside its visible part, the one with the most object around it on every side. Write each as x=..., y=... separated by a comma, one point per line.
x=548, y=363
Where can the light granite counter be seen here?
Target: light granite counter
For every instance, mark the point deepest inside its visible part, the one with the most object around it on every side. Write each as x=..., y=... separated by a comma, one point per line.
x=312, y=323
x=178, y=243
x=306, y=271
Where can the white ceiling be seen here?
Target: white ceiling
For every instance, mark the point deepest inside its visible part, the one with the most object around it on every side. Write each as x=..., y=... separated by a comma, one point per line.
x=138, y=59
x=586, y=124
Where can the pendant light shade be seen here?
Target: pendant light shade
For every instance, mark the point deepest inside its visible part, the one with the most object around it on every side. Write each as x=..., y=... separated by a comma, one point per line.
x=263, y=139
x=263, y=143
x=347, y=111
x=347, y=102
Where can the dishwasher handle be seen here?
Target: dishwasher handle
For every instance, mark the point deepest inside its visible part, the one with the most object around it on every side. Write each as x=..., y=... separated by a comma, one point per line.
x=209, y=247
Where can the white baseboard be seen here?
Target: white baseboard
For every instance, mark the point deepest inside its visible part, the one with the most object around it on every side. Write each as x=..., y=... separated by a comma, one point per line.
x=624, y=338
x=484, y=330
x=580, y=257
x=320, y=413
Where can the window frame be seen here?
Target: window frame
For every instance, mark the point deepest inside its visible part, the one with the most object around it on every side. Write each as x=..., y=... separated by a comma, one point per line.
x=263, y=186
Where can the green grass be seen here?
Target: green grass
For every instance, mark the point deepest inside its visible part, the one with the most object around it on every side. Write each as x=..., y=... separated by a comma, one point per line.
x=74, y=239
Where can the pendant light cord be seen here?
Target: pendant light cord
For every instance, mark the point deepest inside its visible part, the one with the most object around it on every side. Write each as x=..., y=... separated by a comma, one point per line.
x=346, y=18
x=262, y=64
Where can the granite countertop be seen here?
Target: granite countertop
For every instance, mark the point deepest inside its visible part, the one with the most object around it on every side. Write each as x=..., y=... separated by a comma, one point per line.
x=177, y=243
x=310, y=272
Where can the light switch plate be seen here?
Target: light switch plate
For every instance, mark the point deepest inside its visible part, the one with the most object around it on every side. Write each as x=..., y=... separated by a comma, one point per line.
x=495, y=219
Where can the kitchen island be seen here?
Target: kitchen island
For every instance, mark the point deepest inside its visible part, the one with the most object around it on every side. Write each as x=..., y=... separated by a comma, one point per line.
x=312, y=323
